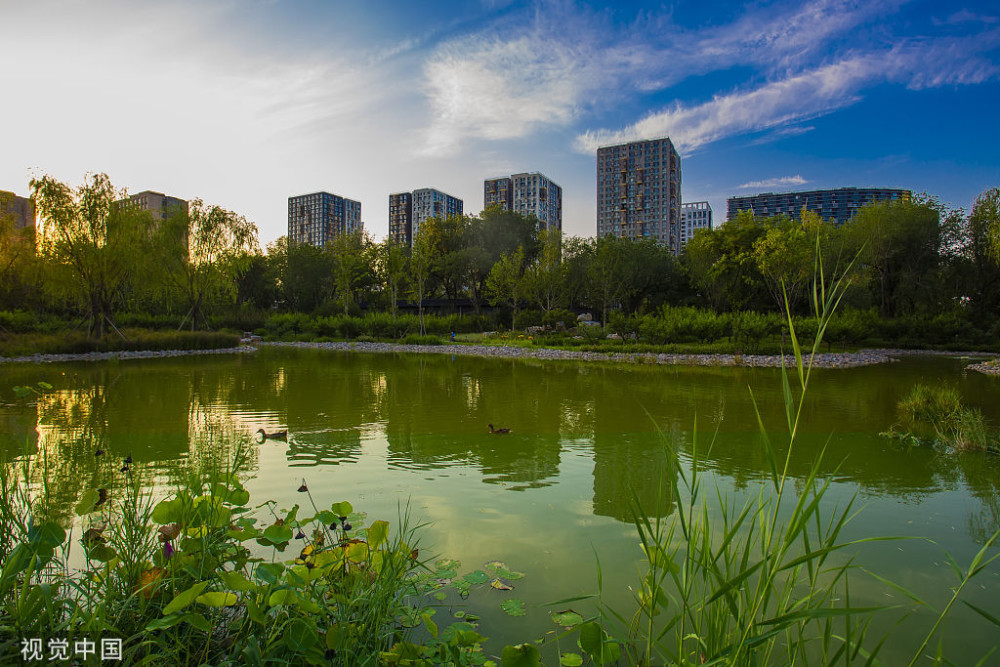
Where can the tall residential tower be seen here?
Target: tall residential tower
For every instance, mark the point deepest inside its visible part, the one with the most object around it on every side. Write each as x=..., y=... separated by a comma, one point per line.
x=407, y=210
x=318, y=217
x=639, y=191
x=530, y=194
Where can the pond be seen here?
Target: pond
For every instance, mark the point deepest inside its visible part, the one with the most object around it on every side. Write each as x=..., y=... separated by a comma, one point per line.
x=552, y=496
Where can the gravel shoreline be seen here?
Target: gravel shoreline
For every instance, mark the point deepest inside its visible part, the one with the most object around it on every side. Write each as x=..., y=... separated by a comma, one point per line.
x=120, y=354
x=824, y=360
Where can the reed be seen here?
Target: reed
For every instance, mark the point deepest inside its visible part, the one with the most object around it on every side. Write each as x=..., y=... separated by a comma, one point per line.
x=766, y=581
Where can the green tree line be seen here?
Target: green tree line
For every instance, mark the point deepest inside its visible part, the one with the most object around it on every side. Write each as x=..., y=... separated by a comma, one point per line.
x=97, y=260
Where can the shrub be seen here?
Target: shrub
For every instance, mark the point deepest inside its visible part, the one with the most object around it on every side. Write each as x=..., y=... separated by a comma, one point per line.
x=528, y=318
x=556, y=315
x=283, y=324
x=750, y=328
x=77, y=342
x=417, y=339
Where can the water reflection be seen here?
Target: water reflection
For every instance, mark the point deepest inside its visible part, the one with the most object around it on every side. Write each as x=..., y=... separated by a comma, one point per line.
x=429, y=413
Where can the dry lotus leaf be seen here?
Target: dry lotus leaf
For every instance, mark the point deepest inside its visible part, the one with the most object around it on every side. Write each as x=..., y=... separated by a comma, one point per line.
x=169, y=532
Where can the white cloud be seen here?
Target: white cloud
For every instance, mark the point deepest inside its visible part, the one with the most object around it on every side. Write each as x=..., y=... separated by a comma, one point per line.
x=809, y=94
x=794, y=99
x=773, y=182
x=546, y=69
x=965, y=16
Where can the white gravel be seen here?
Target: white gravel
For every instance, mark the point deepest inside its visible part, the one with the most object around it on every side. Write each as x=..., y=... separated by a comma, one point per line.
x=825, y=360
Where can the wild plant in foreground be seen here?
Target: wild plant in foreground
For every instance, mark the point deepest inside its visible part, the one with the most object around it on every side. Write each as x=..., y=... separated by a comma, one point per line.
x=765, y=582
x=182, y=582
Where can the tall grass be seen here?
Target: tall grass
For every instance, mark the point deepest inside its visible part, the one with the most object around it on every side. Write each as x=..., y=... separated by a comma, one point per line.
x=764, y=582
x=938, y=412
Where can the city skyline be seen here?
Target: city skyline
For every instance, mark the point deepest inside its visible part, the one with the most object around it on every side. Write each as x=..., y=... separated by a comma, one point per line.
x=245, y=105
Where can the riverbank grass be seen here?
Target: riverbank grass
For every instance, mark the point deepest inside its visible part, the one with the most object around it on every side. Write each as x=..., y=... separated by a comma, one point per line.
x=77, y=342
x=936, y=413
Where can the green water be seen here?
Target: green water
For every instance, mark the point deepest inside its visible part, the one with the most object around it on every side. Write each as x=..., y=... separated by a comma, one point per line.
x=380, y=430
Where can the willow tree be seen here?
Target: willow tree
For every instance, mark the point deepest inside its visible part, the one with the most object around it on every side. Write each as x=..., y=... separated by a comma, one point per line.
x=92, y=240
x=204, y=250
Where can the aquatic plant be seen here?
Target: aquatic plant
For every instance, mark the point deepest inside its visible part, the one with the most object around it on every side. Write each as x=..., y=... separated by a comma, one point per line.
x=764, y=582
x=199, y=578
x=937, y=413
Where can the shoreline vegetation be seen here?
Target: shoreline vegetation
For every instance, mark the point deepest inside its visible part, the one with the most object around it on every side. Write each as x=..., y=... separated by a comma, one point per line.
x=180, y=582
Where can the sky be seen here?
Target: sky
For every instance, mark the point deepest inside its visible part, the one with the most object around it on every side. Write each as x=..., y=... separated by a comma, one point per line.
x=243, y=103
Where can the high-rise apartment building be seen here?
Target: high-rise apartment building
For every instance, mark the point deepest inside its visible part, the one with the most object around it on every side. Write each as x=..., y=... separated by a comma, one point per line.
x=694, y=216
x=530, y=194
x=19, y=209
x=498, y=191
x=407, y=210
x=319, y=217
x=838, y=205
x=639, y=191
x=401, y=217
x=159, y=205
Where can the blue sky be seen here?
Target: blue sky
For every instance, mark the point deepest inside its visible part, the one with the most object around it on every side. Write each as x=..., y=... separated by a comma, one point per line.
x=245, y=102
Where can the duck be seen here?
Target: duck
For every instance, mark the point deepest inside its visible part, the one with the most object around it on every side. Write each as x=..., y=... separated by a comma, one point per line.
x=263, y=435
x=498, y=431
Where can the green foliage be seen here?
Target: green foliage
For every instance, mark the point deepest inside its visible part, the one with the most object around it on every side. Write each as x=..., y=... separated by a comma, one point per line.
x=89, y=240
x=135, y=340
x=417, y=339
x=201, y=252
x=937, y=412
x=762, y=583
x=505, y=282
x=179, y=582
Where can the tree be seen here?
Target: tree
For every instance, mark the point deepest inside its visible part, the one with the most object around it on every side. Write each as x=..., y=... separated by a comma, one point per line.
x=392, y=268
x=421, y=265
x=545, y=279
x=899, y=245
x=982, y=257
x=785, y=256
x=258, y=285
x=985, y=218
x=495, y=233
x=205, y=250
x=94, y=238
x=605, y=272
x=304, y=274
x=505, y=282
x=722, y=266
x=447, y=238
x=352, y=265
